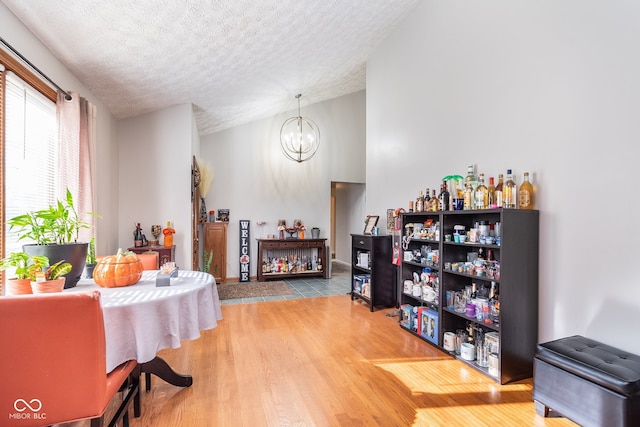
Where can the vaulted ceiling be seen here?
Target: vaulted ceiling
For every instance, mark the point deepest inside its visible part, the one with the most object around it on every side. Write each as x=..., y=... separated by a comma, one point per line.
x=234, y=60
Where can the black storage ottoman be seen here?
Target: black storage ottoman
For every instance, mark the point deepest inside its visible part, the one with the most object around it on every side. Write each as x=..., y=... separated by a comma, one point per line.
x=591, y=383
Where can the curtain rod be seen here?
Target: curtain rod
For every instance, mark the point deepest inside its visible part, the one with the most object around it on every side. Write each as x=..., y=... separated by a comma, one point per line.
x=36, y=69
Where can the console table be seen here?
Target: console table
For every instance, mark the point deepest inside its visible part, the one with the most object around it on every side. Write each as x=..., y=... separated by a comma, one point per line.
x=164, y=254
x=309, y=249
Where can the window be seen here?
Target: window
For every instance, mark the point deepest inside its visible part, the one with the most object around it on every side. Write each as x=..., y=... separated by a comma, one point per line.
x=32, y=176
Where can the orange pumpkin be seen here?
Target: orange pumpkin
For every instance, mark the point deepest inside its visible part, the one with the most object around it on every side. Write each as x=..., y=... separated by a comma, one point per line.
x=113, y=271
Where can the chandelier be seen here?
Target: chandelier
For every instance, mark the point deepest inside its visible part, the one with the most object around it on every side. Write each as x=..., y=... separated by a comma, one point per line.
x=299, y=137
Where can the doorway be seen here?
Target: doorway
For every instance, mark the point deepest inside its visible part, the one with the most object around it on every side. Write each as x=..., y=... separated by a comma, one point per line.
x=347, y=217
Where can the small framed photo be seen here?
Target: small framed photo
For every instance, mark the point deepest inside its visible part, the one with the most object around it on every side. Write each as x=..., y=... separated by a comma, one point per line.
x=223, y=215
x=370, y=224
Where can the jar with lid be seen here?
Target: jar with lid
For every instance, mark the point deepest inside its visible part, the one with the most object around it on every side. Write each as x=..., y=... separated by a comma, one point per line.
x=483, y=226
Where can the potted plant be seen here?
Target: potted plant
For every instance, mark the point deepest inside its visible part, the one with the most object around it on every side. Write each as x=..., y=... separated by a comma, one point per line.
x=54, y=233
x=25, y=267
x=52, y=279
x=91, y=259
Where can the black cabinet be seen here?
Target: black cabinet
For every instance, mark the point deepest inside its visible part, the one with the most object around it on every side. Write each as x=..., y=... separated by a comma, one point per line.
x=372, y=273
x=512, y=270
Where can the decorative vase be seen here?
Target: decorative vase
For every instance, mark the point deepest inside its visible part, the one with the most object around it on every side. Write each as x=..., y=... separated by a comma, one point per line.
x=203, y=210
x=48, y=286
x=281, y=235
x=315, y=233
x=301, y=234
x=19, y=286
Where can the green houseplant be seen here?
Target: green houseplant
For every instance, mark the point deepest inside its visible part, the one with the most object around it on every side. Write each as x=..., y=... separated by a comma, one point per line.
x=26, y=268
x=54, y=233
x=91, y=258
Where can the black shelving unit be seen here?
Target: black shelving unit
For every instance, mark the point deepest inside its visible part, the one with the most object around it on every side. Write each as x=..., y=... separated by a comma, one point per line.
x=372, y=272
x=517, y=254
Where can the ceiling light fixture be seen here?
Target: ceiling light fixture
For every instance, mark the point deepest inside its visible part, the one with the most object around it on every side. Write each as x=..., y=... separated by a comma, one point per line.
x=299, y=137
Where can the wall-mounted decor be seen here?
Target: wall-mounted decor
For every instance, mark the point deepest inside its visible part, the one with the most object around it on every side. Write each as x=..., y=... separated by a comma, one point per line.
x=245, y=258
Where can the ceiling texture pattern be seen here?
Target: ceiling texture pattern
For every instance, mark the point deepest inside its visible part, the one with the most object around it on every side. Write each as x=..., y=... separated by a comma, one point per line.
x=235, y=60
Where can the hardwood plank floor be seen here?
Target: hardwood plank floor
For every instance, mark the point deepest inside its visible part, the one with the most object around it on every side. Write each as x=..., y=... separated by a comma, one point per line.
x=327, y=361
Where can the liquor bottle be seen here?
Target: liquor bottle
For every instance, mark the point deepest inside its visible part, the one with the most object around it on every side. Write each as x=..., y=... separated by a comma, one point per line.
x=427, y=197
x=482, y=194
x=498, y=193
x=509, y=192
x=472, y=182
x=443, y=197
x=480, y=253
x=494, y=303
x=433, y=202
x=467, y=197
x=168, y=232
x=419, y=207
x=525, y=193
x=319, y=265
x=491, y=194
x=459, y=190
x=137, y=236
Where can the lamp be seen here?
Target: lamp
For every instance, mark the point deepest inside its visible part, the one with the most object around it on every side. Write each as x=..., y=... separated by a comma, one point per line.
x=299, y=137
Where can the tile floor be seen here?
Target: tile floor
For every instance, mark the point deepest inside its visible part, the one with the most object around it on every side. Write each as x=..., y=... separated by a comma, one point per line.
x=338, y=284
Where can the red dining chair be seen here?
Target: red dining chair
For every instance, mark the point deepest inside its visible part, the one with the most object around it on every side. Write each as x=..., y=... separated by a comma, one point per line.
x=53, y=363
x=150, y=260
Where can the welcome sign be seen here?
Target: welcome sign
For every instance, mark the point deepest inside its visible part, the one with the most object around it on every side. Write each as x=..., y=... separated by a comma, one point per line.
x=245, y=259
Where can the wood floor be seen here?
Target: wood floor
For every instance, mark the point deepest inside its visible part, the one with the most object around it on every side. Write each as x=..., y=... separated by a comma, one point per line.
x=327, y=362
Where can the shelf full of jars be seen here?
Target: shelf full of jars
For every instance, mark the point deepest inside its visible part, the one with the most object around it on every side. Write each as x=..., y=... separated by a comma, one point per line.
x=470, y=286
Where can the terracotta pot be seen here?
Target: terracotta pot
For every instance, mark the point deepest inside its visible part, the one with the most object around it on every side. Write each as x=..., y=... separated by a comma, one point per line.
x=18, y=286
x=48, y=286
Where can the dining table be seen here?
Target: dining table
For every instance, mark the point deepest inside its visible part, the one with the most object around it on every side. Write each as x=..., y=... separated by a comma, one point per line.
x=154, y=314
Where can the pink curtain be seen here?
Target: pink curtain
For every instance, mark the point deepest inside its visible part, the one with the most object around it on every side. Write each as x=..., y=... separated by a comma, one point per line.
x=77, y=135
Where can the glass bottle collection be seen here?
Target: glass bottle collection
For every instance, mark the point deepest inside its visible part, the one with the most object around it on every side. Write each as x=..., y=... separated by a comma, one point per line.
x=475, y=194
x=140, y=240
x=291, y=264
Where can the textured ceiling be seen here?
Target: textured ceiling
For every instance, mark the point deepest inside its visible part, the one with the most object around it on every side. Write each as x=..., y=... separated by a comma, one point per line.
x=235, y=60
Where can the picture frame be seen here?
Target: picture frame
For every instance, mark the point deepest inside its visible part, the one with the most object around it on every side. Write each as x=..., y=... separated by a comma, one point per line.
x=370, y=224
x=223, y=215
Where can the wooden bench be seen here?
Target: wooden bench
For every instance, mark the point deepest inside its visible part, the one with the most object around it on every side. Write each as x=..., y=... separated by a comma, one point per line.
x=591, y=383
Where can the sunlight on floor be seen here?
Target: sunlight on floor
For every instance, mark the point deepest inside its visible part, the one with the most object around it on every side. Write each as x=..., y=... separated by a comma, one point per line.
x=457, y=392
x=451, y=376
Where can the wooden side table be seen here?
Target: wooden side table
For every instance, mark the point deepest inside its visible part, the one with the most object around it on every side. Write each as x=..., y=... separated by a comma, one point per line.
x=164, y=254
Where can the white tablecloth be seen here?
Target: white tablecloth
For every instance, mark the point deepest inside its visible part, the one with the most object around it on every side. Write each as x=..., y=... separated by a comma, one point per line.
x=142, y=319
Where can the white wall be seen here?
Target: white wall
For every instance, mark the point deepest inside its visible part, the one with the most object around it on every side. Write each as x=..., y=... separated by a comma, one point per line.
x=549, y=87
x=256, y=182
x=155, y=176
x=18, y=36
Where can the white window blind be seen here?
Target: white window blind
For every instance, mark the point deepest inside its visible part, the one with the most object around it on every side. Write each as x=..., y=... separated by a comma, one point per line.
x=33, y=178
